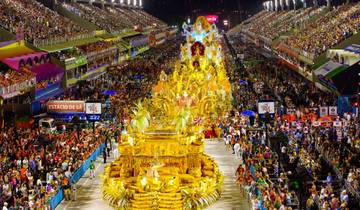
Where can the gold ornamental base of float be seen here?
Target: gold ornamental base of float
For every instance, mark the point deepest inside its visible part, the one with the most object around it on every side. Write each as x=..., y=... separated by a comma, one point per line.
x=162, y=170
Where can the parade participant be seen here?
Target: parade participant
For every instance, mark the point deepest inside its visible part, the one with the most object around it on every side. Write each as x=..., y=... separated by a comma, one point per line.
x=92, y=169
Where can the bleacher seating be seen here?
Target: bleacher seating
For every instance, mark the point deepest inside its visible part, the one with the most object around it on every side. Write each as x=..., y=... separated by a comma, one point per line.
x=309, y=31
x=36, y=21
x=113, y=19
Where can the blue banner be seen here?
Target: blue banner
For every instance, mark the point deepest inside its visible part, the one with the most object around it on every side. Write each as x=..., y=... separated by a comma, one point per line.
x=354, y=48
x=56, y=200
x=40, y=93
x=343, y=104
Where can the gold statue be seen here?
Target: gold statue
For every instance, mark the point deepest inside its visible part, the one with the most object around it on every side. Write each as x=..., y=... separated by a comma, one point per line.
x=162, y=163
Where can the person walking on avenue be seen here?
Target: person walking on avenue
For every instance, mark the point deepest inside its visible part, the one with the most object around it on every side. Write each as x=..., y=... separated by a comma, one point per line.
x=237, y=150
x=73, y=191
x=104, y=155
x=92, y=169
x=66, y=186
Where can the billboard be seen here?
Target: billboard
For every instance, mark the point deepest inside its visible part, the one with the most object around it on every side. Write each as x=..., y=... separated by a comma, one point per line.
x=93, y=111
x=66, y=106
x=266, y=106
x=93, y=108
x=212, y=18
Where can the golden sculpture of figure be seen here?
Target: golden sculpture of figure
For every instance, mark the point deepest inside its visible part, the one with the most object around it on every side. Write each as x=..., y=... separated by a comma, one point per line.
x=182, y=105
x=163, y=76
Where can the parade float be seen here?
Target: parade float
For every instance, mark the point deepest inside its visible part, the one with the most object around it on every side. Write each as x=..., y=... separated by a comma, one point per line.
x=162, y=163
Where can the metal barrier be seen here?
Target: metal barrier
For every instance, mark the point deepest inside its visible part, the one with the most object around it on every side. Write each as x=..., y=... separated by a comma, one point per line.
x=58, y=40
x=56, y=200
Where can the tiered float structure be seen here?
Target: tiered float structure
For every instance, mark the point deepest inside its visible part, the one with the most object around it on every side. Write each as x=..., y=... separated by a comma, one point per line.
x=162, y=163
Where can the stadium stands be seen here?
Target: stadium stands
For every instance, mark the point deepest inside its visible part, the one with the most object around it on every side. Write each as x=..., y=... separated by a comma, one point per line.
x=113, y=19
x=36, y=21
x=308, y=32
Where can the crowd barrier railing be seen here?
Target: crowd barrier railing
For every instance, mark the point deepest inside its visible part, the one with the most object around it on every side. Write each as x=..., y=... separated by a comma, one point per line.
x=59, y=196
x=58, y=40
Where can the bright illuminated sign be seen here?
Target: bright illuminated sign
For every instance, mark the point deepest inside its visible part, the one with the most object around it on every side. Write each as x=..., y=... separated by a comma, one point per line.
x=212, y=18
x=66, y=106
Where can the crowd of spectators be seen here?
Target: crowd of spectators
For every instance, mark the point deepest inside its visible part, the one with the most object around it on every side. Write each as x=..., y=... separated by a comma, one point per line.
x=325, y=32
x=258, y=173
x=326, y=152
x=297, y=20
x=12, y=81
x=33, y=165
x=310, y=31
x=36, y=21
x=96, y=46
x=100, y=17
x=112, y=19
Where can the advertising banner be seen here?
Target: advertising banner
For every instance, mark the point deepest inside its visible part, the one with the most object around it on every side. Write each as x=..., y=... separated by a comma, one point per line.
x=337, y=123
x=72, y=63
x=326, y=68
x=324, y=110
x=93, y=111
x=333, y=110
x=316, y=124
x=139, y=41
x=212, y=18
x=354, y=48
x=266, y=106
x=66, y=106
x=93, y=108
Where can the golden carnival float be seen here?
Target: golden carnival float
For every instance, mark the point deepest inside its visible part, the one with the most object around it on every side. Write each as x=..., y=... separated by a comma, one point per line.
x=162, y=163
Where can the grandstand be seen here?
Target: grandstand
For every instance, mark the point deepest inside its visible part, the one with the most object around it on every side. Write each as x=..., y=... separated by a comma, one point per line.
x=83, y=39
x=42, y=26
x=35, y=21
x=303, y=36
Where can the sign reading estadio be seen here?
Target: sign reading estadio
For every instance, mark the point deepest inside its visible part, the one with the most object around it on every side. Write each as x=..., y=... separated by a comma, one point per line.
x=66, y=106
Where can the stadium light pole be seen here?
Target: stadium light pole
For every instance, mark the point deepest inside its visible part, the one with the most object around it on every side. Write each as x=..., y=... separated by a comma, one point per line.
x=316, y=3
x=328, y=3
x=294, y=2
x=304, y=3
x=282, y=4
x=287, y=4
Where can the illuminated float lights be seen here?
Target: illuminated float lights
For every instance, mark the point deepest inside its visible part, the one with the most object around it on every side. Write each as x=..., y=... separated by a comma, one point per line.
x=162, y=163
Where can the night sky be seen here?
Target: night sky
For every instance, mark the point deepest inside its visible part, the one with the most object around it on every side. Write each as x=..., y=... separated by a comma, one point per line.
x=175, y=10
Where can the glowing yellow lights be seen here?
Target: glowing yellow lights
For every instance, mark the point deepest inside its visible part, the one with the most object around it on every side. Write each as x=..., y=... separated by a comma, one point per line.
x=162, y=163
x=143, y=181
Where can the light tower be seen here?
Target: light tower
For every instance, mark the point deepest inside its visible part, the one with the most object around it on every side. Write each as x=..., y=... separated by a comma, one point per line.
x=282, y=4
x=316, y=3
x=304, y=3
x=287, y=4
x=294, y=2
x=328, y=3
